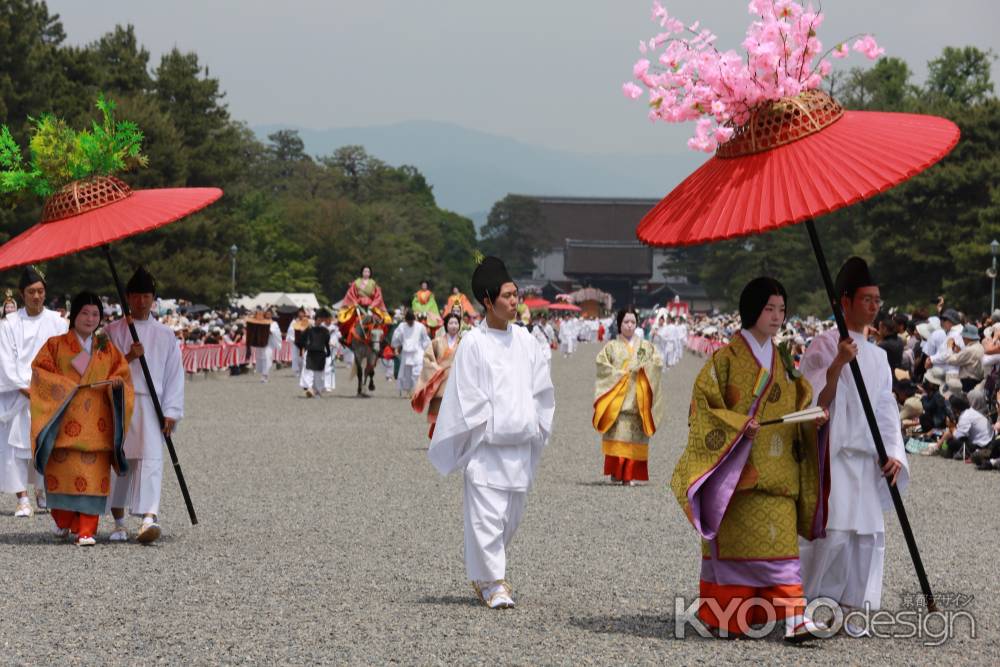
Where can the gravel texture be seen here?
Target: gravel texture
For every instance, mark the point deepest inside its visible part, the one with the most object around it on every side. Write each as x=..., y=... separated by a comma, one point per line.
x=325, y=536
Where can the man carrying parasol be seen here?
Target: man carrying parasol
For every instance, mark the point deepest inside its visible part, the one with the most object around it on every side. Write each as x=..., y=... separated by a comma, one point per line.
x=846, y=564
x=139, y=490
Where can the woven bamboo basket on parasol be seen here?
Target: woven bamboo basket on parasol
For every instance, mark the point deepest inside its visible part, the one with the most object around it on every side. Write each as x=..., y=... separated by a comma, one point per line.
x=782, y=122
x=83, y=196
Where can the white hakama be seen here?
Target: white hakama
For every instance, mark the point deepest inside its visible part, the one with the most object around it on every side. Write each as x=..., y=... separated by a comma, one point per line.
x=315, y=380
x=847, y=564
x=492, y=516
x=21, y=336
x=139, y=490
x=495, y=419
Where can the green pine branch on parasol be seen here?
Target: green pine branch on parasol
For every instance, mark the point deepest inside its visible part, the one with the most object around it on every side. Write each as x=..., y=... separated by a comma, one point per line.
x=61, y=155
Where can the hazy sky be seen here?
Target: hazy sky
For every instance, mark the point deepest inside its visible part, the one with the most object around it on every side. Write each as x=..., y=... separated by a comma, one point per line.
x=547, y=72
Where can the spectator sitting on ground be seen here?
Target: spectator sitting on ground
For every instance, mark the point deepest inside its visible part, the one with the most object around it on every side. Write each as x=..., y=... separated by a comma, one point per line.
x=970, y=432
x=910, y=405
x=935, y=414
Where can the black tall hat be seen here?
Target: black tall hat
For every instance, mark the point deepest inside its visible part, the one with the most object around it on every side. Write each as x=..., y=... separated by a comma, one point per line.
x=487, y=279
x=30, y=276
x=853, y=275
x=141, y=282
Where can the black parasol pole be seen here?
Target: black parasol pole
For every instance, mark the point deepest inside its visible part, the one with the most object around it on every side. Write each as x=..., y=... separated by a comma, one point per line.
x=859, y=382
x=152, y=389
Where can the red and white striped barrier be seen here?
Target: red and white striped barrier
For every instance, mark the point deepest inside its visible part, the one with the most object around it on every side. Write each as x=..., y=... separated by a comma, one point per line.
x=703, y=346
x=216, y=357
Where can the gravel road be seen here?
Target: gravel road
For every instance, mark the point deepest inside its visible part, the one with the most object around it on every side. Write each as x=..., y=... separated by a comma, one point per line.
x=325, y=536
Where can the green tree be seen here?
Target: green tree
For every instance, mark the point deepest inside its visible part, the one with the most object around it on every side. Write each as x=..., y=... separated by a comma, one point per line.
x=884, y=87
x=194, y=101
x=961, y=76
x=121, y=62
x=514, y=232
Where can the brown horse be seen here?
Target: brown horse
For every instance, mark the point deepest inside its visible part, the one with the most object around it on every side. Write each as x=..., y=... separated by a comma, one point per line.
x=366, y=335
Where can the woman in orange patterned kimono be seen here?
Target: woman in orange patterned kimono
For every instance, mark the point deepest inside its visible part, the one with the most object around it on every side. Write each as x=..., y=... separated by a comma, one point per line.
x=81, y=404
x=456, y=298
x=437, y=366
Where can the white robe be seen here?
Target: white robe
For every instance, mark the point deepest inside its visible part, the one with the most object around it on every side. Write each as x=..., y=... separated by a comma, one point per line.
x=140, y=488
x=330, y=371
x=668, y=332
x=847, y=564
x=411, y=340
x=680, y=343
x=495, y=419
x=21, y=337
x=568, y=333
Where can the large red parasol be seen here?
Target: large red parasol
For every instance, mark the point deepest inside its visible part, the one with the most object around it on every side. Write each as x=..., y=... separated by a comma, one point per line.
x=566, y=306
x=536, y=303
x=795, y=159
x=800, y=159
x=94, y=212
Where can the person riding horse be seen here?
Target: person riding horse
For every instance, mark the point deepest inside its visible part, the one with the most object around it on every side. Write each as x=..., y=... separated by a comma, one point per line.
x=363, y=321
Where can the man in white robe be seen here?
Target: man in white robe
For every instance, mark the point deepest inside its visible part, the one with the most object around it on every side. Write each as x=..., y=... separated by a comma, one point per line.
x=568, y=333
x=410, y=339
x=847, y=564
x=658, y=337
x=139, y=489
x=672, y=334
x=330, y=371
x=680, y=340
x=265, y=355
x=495, y=419
x=22, y=334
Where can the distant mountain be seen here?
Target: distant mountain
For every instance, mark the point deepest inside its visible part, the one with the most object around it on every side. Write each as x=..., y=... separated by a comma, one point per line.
x=471, y=170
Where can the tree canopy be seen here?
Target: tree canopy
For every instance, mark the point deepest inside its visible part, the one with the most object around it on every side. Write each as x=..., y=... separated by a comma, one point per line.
x=299, y=222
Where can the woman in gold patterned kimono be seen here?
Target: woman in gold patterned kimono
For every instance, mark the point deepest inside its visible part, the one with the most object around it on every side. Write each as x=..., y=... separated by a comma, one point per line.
x=627, y=401
x=81, y=404
x=750, y=489
x=437, y=366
